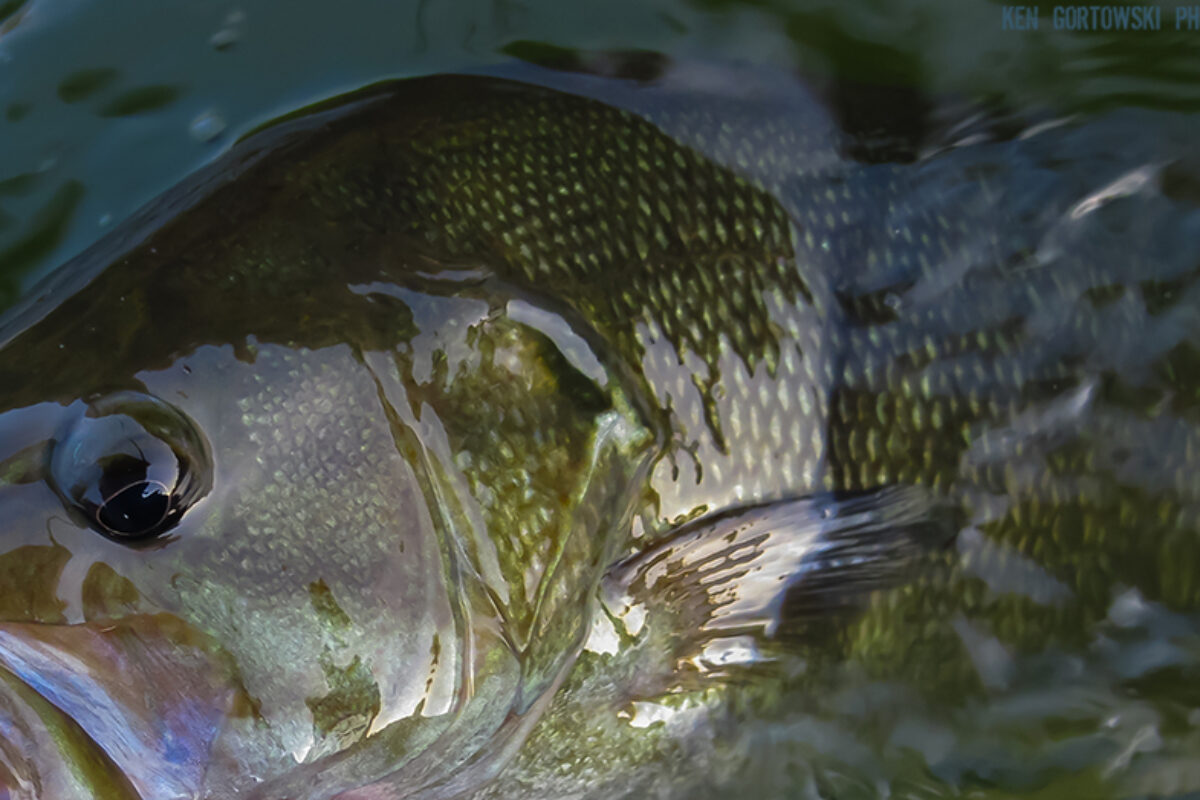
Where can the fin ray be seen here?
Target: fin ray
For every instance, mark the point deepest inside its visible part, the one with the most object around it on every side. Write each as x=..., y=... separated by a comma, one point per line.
x=741, y=575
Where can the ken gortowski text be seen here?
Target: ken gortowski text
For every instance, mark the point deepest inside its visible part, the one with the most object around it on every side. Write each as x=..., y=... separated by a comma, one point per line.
x=1098, y=18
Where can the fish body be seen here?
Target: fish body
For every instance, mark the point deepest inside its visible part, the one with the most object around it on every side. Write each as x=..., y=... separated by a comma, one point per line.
x=467, y=436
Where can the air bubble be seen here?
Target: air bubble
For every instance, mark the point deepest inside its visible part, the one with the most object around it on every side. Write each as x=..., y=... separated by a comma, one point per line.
x=207, y=127
x=230, y=32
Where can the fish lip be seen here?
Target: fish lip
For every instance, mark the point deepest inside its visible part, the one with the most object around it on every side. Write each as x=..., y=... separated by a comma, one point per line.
x=150, y=700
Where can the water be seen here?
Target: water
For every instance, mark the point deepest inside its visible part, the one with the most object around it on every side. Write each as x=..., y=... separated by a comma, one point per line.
x=100, y=111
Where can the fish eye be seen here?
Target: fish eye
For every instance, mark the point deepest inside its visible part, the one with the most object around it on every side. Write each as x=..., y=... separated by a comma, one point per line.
x=131, y=466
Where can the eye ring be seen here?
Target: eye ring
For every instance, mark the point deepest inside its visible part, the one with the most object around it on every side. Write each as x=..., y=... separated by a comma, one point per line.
x=123, y=521
x=130, y=466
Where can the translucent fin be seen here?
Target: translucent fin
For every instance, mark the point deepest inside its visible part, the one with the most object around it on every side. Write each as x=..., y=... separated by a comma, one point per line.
x=724, y=585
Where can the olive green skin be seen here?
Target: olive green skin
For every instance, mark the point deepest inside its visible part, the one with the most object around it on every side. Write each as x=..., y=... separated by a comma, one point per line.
x=735, y=319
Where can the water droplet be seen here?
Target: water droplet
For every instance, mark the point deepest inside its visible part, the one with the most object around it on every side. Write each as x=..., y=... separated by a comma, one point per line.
x=104, y=220
x=224, y=39
x=230, y=32
x=207, y=127
x=1125, y=186
x=1128, y=609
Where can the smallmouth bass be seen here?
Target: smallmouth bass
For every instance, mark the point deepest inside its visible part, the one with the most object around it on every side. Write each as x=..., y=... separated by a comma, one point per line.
x=468, y=436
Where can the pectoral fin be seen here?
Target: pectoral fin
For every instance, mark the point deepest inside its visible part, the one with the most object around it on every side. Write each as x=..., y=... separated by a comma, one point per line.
x=723, y=588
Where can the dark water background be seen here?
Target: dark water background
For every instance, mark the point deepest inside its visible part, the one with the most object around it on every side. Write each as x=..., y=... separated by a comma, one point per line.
x=104, y=105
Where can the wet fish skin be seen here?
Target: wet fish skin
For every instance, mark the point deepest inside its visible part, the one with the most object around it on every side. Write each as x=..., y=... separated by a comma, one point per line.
x=1019, y=388
x=921, y=382
x=734, y=311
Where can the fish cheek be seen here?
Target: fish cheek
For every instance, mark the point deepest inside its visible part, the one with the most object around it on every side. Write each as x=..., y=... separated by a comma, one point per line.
x=32, y=559
x=29, y=579
x=313, y=560
x=44, y=557
x=106, y=594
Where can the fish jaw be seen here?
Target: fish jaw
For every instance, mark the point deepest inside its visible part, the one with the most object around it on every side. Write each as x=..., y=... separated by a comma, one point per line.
x=154, y=691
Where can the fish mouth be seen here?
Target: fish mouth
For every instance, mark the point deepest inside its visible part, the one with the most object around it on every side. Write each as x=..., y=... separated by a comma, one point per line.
x=125, y=709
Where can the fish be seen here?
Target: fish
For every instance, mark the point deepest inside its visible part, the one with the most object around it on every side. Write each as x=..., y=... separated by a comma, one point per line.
x=553, y=435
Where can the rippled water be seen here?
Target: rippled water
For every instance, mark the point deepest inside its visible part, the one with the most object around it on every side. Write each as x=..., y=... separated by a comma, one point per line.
x=103, y=110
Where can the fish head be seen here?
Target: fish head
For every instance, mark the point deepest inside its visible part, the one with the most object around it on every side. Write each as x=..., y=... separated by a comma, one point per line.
x=286, y=509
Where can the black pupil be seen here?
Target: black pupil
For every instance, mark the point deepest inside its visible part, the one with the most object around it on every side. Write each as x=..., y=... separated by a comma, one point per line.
x=138, y=508
x=129, y=466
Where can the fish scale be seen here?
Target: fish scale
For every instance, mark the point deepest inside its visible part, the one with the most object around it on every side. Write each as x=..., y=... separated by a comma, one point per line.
x=995, y=374
x=658, y=255
x=887, y=423
x=915, y=383
x=924, y=372
x=514, y=484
